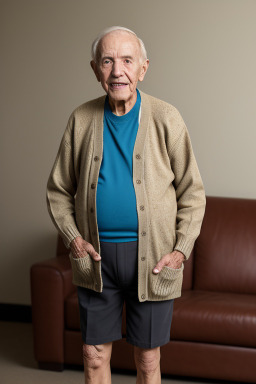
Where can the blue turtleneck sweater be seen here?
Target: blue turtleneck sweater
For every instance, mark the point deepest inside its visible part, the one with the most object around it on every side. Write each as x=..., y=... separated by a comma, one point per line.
x=115, y=199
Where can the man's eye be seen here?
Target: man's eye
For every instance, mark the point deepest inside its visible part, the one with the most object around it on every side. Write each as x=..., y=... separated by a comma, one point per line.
x=106, y=62
x=127, y=61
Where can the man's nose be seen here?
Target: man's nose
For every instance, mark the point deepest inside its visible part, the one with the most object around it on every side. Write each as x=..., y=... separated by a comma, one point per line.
x=117, y=69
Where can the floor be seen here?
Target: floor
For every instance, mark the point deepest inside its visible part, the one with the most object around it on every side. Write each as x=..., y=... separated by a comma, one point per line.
x=17, y=363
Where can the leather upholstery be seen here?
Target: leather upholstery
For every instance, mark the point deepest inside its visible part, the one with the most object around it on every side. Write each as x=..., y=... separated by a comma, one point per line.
x=215, y=317
x=213, y=333
x=226, y=248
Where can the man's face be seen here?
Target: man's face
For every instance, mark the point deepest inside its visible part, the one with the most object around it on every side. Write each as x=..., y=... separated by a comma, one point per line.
x=120, y=66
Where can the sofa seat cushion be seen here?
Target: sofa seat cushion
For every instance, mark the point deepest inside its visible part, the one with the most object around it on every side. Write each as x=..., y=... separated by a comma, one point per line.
x=215, y=317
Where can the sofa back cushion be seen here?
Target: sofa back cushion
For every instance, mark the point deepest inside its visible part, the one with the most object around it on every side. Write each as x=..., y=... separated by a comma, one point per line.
x=188, y=272
x=225, y=251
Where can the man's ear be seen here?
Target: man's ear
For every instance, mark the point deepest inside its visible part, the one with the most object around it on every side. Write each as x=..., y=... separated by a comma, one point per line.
x=144, y=69
x=95, y=69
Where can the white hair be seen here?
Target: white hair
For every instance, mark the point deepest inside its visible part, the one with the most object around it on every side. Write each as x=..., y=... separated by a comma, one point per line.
x=95, y=44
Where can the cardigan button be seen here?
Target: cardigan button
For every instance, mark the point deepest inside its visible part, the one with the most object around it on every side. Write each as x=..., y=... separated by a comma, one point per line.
x=143, y=258
x=138, y=156
x=143, y=233
x=93, y=185
x=138, y=181
x=92, y=210
x=142, y=207
x=96, y=158
x=143, y=296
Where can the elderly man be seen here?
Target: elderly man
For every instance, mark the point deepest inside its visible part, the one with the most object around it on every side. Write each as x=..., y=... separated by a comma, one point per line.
x=129, y=210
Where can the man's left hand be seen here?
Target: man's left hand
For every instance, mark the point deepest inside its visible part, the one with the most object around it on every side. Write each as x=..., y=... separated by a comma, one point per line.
x=171, y=260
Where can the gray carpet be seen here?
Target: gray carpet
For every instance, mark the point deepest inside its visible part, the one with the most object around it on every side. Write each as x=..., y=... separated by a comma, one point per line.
x=18, y=365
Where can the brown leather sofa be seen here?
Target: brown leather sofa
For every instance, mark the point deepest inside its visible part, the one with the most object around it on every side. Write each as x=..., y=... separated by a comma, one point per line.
x=213, y=333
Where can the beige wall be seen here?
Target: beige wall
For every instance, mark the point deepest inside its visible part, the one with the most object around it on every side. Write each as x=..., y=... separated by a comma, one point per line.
x=202, y=60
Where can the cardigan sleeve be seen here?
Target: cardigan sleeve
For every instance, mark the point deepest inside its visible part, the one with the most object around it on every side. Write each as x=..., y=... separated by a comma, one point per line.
x=61, y=190
x=190, y=192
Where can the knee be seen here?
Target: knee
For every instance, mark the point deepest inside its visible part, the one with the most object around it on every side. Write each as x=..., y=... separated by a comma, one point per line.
x=95, y=356
x=147, y=360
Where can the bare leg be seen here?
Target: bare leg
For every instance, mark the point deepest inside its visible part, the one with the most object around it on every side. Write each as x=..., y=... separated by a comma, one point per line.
x=97, y=363
x=148, y=365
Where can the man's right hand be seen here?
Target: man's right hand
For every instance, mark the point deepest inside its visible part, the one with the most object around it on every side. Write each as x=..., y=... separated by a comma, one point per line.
x=81, y=248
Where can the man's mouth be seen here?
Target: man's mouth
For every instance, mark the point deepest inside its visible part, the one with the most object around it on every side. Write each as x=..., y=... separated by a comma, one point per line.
x=118, y=85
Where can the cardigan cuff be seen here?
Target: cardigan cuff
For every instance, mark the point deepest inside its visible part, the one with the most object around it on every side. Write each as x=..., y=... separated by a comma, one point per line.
x=184, y=245
x=70, y=234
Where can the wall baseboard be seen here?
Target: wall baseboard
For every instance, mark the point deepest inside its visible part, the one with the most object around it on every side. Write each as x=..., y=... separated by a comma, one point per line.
x=16, y=312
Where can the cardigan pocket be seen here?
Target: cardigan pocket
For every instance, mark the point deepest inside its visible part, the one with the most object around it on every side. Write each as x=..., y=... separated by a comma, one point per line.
x=82, y=269
x=168, y=282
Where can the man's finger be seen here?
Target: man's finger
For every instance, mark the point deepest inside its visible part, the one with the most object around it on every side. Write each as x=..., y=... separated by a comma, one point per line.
x=160, y=265
x=95, y=256
x=91, y=251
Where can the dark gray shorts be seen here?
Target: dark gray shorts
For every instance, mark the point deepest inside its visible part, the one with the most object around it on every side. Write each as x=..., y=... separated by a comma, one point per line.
x=148, y=323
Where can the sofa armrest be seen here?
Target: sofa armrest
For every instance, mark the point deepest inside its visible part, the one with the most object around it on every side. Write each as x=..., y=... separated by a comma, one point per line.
x=51, y=283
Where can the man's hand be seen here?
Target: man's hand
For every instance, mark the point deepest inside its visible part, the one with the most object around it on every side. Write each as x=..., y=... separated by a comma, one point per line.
x=80, y=248
x=171, y=260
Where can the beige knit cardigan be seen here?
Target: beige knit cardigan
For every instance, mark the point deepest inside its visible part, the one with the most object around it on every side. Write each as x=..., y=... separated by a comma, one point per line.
x=170, y=197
